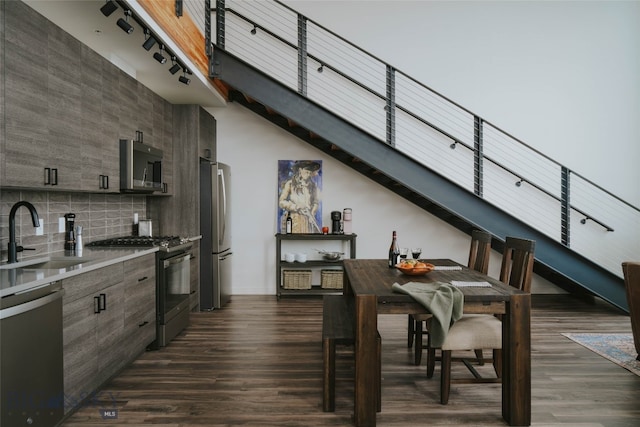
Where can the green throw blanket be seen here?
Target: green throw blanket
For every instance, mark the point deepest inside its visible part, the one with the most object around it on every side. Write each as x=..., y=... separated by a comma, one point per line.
x=442, y=300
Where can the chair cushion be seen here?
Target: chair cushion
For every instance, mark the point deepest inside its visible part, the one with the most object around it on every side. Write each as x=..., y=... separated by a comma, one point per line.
x=474, y=331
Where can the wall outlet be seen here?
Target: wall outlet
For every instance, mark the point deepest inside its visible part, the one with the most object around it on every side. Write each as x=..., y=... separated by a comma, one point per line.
x=61, y=225
x=40, y=229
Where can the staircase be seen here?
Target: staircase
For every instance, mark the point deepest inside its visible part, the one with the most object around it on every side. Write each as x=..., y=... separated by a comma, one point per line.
x=289, y=106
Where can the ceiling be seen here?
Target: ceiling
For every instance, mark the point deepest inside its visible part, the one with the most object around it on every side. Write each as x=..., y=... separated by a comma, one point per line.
x=83, y=20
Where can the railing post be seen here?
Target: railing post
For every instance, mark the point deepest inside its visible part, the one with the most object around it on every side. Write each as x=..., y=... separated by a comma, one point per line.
x=477, y=156
x=302, y=55
x=220, y=23
x=565, y=205
x=391, y=106
x=207, y=28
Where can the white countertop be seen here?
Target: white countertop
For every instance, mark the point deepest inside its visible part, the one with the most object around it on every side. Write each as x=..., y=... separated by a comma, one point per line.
x=15, y=280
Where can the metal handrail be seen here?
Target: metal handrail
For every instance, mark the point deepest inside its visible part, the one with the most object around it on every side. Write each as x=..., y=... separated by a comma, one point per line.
x=447, y=105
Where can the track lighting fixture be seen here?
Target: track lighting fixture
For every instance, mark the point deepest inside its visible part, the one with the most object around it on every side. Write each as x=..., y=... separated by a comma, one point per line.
x=175, y=67
x=321, y=68
x=254, y=31
x=149, y=40
x=108, y=8
x=158, y=56
x=454, y=145
x=183, y=78
x=519, y=183
x=584, y=220
x=124, y=23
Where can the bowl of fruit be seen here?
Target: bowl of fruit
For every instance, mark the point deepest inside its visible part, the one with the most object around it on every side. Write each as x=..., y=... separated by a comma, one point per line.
x=414, y=267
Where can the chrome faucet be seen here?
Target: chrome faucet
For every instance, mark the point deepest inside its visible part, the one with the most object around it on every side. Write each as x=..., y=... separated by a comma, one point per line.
x=13, y=247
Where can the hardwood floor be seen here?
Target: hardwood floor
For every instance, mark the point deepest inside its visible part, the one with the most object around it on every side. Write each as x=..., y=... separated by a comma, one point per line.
x=258, y=362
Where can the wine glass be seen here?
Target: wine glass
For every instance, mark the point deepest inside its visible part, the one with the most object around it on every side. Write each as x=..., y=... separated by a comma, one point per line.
x=404, y=252
x=415, y=252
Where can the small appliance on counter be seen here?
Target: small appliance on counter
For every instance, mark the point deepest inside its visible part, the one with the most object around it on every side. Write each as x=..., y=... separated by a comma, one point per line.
x=336, y=222
x=70, y=232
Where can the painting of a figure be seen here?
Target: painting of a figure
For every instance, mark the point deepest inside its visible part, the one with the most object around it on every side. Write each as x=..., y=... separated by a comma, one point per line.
x=299, y=195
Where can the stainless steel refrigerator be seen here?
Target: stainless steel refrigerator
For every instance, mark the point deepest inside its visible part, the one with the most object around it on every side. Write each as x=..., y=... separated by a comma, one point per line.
x=215, y=227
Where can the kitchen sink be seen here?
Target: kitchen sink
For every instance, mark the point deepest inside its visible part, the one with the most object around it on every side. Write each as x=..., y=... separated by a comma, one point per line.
x=53, y=263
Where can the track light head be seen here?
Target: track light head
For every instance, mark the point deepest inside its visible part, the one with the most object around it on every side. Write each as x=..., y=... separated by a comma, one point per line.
x=254, y=30
x=175, y=67
x=321, y=68
x=149, y=40
x=183, y=78
x=108, y=8
x=158, y=57
x=124, y=23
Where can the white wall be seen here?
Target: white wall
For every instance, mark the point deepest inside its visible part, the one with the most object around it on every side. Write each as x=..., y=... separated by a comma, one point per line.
x=252, y=147
x=560, y=75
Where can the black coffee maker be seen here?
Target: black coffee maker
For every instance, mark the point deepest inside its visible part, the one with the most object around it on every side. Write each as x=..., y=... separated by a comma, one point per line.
x=69, y=232
x=336, y=223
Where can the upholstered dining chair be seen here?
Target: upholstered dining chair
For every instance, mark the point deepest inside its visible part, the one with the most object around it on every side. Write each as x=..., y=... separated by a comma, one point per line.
x=631, y=272
x=483, y=331
x=479, y=254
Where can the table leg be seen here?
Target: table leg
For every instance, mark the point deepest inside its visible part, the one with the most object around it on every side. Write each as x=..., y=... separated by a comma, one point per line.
x=366, y=361
x=516, y=366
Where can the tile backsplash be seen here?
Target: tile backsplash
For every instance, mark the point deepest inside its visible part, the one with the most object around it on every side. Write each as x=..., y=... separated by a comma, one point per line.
x=100, y=215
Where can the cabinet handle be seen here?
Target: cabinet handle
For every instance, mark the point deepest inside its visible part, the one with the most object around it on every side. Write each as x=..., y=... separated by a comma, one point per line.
x=47, y=176
x=103, y=302
x=103, y=182
x=54, y=181
x=143, y=324
x=142, y=279
x=96, y=305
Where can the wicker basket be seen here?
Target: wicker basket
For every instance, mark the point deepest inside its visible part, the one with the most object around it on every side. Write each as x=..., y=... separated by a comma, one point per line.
x=331, y=279
x=296, y=279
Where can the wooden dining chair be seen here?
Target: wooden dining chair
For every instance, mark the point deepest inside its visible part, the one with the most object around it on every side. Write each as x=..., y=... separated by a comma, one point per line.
x=483, y=331
x=631, y=272
x=479, y=254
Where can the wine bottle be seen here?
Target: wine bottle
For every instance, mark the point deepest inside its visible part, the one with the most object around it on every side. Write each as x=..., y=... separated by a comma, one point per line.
x=394, y=252
x=289, y=225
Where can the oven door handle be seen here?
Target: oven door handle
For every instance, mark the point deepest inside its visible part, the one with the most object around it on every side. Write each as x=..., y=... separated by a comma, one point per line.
x=176, y=259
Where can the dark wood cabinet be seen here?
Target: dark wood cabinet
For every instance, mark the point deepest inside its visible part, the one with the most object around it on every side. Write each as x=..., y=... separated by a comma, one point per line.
x=66, y=108
x=194, y=135
x=89, y=331
x=109, y=318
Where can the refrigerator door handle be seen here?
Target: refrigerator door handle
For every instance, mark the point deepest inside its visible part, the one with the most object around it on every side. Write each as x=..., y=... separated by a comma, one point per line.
x=224, y=205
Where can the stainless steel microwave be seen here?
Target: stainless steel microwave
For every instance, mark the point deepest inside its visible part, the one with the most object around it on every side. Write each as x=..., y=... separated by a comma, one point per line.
x=140, y=167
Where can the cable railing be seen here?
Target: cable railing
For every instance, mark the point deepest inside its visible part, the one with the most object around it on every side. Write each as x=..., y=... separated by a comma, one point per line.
x=425, y=125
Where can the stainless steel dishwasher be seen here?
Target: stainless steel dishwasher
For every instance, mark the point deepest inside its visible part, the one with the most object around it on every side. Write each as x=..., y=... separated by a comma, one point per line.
x=31, y=380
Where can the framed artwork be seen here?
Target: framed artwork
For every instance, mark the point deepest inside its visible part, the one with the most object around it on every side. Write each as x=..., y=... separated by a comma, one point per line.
x=300, y=195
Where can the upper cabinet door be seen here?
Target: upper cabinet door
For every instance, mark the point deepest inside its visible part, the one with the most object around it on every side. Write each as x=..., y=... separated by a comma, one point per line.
x=42, y=101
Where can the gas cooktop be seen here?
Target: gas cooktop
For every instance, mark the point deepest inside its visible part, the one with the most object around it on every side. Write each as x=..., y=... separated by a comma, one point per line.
x=165, y=243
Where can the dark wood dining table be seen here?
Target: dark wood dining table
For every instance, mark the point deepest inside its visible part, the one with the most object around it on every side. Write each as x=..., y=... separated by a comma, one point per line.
x=369, y=282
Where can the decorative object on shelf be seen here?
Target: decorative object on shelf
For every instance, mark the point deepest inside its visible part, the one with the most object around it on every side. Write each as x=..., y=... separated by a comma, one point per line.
x=330, y=256
x=331, y=279
x=296, y=279
x=347, y=227
x=299, y=189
